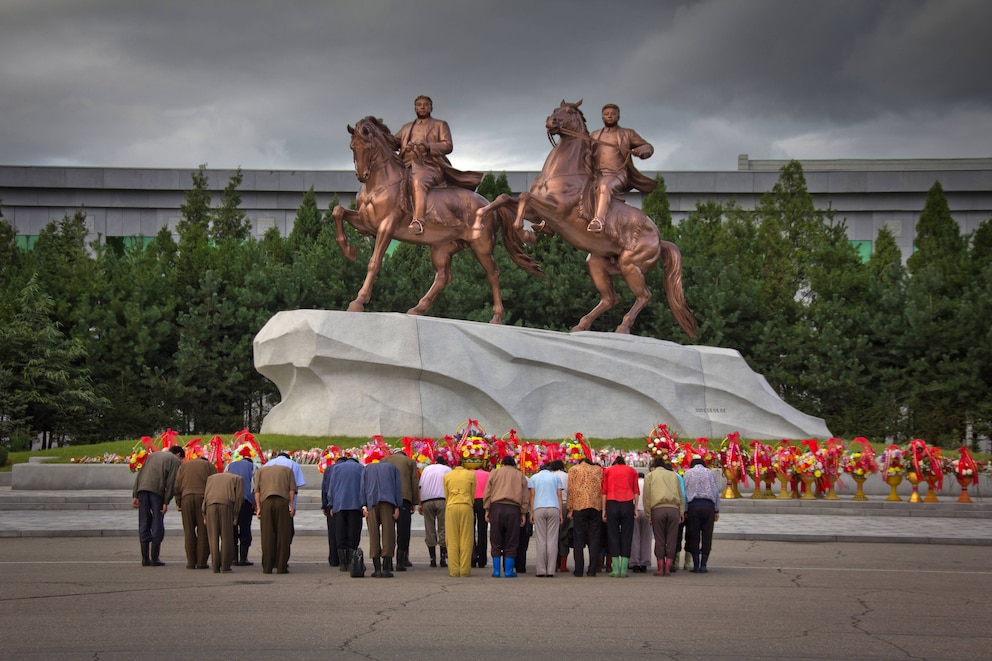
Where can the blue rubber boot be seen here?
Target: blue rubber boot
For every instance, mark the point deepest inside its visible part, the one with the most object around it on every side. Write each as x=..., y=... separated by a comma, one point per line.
x=508, y=570
x=496, y=566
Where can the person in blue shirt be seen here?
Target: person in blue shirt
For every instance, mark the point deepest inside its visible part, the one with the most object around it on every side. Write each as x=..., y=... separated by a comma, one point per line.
x=244, y=467
x=546, y=513
x=382, y=494
x=344, y=503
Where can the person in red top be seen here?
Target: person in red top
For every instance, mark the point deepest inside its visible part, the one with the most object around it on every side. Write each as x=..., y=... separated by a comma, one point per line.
x=620, y=494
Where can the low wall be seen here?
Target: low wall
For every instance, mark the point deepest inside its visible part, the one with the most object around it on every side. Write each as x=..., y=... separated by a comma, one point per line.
x=83, y=477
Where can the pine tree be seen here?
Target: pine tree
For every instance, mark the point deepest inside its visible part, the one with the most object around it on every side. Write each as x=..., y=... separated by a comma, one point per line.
x=229, y=220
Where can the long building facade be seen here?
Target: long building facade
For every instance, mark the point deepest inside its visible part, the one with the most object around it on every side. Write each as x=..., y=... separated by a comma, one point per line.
x=131, y=204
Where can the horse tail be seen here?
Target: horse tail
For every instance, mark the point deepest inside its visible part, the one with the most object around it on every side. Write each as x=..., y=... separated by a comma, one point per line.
x=673, y=288
x=514, y=244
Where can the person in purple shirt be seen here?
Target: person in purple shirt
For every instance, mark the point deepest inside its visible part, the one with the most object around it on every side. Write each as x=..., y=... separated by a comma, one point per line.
x=344, y=503
x=382, y=494
x=703, y=510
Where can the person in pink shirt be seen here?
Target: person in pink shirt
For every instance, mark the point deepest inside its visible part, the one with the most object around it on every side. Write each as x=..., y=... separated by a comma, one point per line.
x=481, y=551
x=620, y=496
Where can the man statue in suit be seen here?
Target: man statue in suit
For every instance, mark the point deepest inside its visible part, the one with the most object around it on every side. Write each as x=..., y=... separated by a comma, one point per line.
x=613, y=146
x=424, y=147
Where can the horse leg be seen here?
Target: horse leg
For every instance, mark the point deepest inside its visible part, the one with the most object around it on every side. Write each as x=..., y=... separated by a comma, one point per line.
x=382, y=238
x=601, y=271
x=633, y=275
x=501, y=201
x=441, y=259
x=351, y=216
x=483, y=250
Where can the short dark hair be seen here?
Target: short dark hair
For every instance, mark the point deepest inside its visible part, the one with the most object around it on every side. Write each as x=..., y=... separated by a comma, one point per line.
x=611, y=105
x=441, y=459
x=697, y=461
x=620, y=460
x=178, y=451
x=658, y=462
x=509, y=461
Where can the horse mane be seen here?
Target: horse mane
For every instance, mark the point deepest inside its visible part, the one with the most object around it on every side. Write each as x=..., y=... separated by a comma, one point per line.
x=382, y=130
x=586, y=150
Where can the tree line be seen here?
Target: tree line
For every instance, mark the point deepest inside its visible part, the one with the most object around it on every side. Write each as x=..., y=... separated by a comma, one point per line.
x=109, y=341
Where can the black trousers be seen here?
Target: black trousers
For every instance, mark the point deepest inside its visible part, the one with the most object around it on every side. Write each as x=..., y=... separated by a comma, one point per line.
x=586, y=526
x=348, y=529
x=619, y=527
x=699, y=519
x=242, y=529
x=479, y=554
x=403, y=525
x=504, y=539
x=332, y=540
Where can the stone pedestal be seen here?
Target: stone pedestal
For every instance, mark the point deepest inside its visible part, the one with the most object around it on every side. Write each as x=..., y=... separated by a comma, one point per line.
x=360, y=374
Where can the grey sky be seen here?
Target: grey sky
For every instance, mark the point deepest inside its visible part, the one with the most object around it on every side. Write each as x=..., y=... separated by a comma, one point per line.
x=273, y=84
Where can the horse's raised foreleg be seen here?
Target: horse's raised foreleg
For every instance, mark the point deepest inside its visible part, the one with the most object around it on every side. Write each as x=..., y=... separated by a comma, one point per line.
x=601, y=270
x=382, y=238
x=340, y=215
x=441, y=260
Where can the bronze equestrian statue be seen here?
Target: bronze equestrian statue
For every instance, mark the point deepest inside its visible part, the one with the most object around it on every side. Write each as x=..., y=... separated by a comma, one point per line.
x=562, y=201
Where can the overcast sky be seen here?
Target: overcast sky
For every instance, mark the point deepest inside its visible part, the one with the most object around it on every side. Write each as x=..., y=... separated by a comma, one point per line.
x=273, y=84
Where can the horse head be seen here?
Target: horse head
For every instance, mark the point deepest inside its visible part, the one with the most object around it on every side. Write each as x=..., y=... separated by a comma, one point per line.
x=372, y=143
x=568, y=120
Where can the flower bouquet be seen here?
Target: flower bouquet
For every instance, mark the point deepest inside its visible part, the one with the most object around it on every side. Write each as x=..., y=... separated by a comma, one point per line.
x=784, y=463
x=759, y=467
x=893, y=469
x=661, y=442
x=141, y=450
x=507, y=446
x=574, y=450
x=809, y=468
x=330, y=454
x=734, y=461
x=245, y=445
x=420, y=450
x=375, y=450
x=529, y=458
x=473, y=451
x=709, y=457
x=966, y=473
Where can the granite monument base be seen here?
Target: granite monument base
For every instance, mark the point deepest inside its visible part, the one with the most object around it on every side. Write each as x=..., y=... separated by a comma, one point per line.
x=361, y=374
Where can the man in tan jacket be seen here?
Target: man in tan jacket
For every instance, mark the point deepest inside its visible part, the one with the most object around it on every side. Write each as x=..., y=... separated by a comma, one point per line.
x=221, y=505
x=275, y=488
x=191, y=481
x=665, y=506
x=506, y=501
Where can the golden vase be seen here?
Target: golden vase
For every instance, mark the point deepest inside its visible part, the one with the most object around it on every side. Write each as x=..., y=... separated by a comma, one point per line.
x=809, y=484
x=894, y=480
x=860, y=495
x=914, y=479
x=931, y=496
x=964, y=482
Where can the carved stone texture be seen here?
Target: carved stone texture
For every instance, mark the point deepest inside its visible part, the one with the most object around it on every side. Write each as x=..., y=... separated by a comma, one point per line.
x=349, y=374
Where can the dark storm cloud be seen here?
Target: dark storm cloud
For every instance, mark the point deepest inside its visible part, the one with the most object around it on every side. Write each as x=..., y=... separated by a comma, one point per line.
x=273, y=84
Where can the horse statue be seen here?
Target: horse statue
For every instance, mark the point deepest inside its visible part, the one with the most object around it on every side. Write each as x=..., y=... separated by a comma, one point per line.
x=452, y=222
x=629, y=245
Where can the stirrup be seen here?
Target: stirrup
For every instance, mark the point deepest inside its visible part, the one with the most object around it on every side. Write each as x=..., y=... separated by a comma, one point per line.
x=595, y=226
x=417, y=226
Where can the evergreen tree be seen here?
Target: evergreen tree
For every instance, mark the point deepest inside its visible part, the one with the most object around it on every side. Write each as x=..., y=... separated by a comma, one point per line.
x=229, y=220
x=656, y=206
x=308, y=222
x=50, y=387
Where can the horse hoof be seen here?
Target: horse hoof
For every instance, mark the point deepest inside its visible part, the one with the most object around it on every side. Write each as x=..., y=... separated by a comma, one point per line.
x=415, y=311
x=624, y=330
x=356, y=307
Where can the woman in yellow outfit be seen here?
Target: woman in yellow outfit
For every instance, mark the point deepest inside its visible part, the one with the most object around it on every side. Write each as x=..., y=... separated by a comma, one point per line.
x=459, y=519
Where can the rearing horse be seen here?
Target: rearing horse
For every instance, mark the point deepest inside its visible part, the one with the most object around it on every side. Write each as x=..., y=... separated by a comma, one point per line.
x=629, y=245
x=383, y=212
